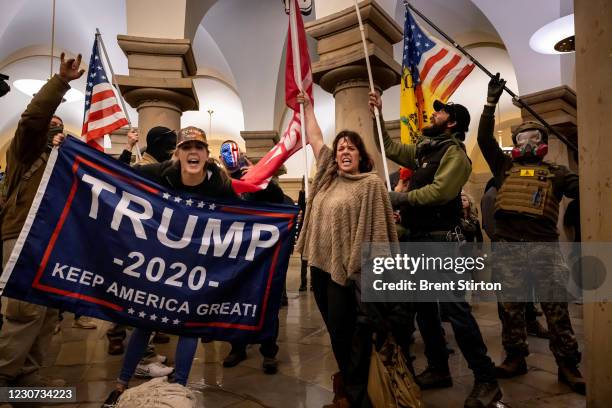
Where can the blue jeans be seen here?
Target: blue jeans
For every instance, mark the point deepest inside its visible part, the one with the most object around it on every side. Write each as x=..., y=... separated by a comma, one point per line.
x=185, y=350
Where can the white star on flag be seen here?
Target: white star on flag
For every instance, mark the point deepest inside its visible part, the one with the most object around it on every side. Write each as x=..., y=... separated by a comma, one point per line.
x=201, y=204
x=177, y=199
x=142, y=314
x=166, y=196
x=212, y=207
x=153, y=317
x=96, y=57
x=176, y=321
x=164, y=319
x=131, y=311
x=99, y=67
x=189, y=202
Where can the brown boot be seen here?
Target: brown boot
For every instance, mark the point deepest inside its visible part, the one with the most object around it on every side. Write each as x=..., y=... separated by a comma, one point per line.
x=512, y=366
x=338, y=387
x=570, y=375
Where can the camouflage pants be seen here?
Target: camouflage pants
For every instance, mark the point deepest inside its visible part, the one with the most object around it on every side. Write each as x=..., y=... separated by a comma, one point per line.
x=538, y=267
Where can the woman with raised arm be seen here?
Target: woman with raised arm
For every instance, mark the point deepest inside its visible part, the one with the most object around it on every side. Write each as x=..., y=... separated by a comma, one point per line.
x=348, y=206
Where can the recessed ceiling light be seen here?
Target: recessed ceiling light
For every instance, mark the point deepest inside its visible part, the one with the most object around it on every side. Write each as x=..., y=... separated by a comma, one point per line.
x=31, y=86
x=556, y=37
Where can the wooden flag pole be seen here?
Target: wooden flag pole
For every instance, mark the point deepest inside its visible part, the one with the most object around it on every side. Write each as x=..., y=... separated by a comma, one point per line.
x=114, y=80
x=297, y=73
x=376, y=112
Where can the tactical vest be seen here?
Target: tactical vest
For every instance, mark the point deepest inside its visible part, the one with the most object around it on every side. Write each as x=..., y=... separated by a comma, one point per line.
x=436, y=217
x=528, y=190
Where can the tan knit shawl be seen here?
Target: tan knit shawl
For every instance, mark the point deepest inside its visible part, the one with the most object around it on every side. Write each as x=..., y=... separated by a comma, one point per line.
x=343, y=211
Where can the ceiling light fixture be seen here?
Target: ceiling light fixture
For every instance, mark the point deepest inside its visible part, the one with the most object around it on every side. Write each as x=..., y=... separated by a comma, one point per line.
x=31, y=86
x=556, y=37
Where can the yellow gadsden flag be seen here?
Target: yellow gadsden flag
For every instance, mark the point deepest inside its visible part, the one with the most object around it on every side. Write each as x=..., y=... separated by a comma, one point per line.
x=430, y=71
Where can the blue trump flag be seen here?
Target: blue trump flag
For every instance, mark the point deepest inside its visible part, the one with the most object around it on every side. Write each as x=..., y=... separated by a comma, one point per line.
x=103, y=241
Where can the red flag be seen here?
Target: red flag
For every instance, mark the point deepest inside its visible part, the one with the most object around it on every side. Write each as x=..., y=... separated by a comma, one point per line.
x=102, y=112
x=259, y=175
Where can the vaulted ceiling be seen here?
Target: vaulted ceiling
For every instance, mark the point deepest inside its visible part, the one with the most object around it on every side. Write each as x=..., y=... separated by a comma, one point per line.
x=239, y=49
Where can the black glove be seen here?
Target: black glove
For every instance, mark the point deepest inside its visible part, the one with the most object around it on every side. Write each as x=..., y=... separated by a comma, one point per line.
x=496, y=88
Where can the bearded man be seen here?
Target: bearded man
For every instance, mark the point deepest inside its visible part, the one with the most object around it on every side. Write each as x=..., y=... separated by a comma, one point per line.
x=431, y=211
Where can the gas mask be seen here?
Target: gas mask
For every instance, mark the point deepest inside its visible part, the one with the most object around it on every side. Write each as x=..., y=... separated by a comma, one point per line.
x=529, y=145
x=53, y=130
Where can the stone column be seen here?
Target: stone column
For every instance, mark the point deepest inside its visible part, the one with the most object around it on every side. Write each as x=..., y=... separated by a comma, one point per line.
x=158, y=87
x=593, y=23
x=341, y=69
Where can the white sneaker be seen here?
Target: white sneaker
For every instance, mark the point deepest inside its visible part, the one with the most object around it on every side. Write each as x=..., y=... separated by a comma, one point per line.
x=155, y=358
x=153, y=370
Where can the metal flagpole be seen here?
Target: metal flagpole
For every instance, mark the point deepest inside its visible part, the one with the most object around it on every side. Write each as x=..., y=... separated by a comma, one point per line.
x=297, y=73
x=376, y=112
x=515, y=97
x=110, y=67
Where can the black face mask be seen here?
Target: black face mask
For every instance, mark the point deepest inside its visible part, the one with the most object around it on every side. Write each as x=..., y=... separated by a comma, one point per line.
x=163, y=149
x=53, y=130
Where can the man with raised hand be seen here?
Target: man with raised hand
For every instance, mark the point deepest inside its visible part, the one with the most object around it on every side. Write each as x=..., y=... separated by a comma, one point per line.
x=28, y=328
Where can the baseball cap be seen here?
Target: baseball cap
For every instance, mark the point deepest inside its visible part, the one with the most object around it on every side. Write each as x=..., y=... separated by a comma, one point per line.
x=189, y=134
x=457, y=113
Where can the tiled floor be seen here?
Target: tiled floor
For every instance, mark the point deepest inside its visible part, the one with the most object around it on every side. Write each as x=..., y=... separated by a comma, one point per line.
x=306, y=364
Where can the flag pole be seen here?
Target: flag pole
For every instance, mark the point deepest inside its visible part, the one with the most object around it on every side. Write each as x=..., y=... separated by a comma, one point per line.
x=114, y=80
x=376, y=112
x=514, y=96
x=297, y=72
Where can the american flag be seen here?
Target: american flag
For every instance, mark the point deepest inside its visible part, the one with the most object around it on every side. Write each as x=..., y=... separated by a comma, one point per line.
x=430, y=70
x=102, y=111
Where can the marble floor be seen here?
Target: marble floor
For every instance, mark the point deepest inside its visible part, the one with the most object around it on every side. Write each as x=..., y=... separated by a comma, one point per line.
x=306, y=364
